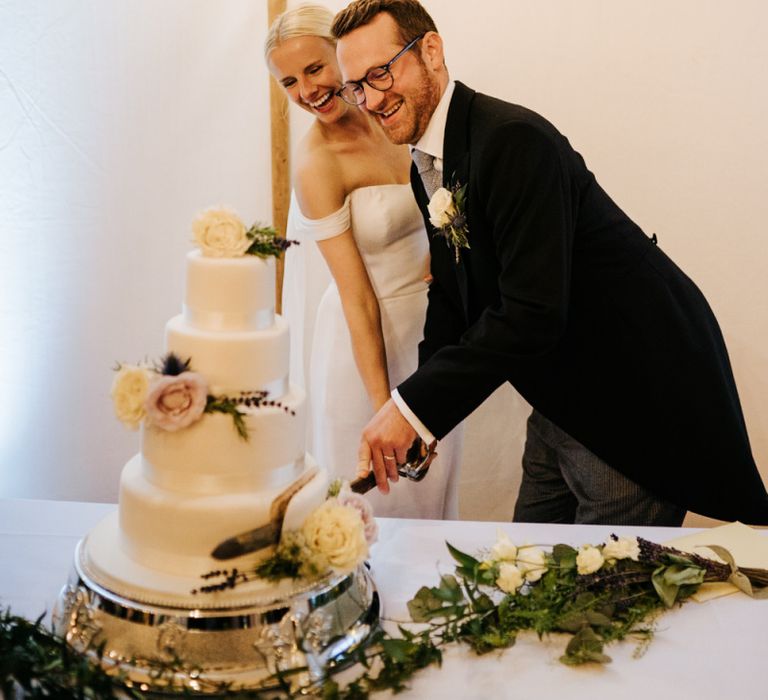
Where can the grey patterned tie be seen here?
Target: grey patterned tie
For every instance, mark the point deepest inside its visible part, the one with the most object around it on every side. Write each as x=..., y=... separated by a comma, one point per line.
x=425, y=164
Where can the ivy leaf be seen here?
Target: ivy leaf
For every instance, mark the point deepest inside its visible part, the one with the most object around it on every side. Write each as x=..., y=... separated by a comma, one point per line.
x=425, y=605
x=449, y=590
x=397, y=649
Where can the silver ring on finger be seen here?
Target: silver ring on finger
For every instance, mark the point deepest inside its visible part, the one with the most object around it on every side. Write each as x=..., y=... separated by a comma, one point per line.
x=389, y=458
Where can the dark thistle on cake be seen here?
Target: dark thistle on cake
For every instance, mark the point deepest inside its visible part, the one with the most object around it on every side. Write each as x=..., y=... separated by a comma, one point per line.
x=172, y=365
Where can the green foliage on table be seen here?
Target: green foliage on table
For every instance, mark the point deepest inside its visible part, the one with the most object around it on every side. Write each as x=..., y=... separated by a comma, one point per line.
x=618, y=597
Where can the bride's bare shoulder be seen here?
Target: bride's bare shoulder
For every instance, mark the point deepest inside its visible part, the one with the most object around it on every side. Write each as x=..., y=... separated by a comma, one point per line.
x=318, y=178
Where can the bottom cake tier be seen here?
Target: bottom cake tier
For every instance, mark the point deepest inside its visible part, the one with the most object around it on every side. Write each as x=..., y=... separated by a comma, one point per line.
x=175, y=532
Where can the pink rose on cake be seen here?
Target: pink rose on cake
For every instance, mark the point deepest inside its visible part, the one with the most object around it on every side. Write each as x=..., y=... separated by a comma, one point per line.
x=347, y=497
x=174, y=402
x=220, y=234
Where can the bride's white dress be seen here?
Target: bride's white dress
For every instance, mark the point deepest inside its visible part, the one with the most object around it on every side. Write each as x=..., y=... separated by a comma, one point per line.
x=389, y=232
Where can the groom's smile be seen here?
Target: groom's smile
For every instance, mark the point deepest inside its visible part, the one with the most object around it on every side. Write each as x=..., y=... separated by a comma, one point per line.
x=403, y=110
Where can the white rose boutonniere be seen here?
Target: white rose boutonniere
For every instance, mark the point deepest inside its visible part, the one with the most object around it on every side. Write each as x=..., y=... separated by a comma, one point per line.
x=220, y=234
x=447, y=213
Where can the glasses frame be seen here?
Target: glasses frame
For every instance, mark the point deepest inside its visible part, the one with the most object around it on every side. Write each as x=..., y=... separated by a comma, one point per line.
x=387, y=68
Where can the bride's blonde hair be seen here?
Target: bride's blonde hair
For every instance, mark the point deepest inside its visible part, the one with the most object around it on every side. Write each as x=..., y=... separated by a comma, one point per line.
x=304, y=20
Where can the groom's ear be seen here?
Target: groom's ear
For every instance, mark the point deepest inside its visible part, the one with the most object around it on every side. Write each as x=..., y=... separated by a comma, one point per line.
x=432, y=50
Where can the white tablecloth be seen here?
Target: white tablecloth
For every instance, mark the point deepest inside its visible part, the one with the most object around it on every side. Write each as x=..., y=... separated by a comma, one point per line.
x=710, y=651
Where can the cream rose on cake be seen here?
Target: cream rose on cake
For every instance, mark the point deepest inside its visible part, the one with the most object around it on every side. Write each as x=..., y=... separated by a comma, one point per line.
x=336, y=533
x=220, y=234
x=129, y=392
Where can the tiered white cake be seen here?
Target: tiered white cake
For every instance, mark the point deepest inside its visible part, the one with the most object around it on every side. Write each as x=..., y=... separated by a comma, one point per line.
x=190, y=489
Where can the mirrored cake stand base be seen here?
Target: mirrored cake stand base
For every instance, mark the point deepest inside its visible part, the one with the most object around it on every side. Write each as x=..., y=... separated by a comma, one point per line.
x=258, y=644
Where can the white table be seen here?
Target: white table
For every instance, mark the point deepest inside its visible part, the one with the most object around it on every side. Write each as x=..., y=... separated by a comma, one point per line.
x=711, y=651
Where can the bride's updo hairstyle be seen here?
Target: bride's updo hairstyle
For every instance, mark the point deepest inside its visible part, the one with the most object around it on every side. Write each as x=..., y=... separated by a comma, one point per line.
x=304, y=20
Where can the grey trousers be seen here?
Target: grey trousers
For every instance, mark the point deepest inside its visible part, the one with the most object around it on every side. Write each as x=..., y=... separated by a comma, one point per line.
x=563, y=482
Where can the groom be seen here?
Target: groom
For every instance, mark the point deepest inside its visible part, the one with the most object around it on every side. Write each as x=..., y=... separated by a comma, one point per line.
x=554, y=289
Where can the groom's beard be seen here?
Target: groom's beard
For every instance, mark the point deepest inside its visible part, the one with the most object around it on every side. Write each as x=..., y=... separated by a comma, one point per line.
x=418, y=104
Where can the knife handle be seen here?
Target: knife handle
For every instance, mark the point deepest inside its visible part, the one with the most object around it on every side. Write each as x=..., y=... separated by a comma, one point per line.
x=363, y=484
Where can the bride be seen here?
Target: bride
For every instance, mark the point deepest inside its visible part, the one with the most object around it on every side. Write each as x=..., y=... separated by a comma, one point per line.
x=360, y=327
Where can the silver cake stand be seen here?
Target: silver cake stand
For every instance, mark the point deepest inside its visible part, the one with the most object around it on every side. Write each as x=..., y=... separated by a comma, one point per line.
x=263, y=644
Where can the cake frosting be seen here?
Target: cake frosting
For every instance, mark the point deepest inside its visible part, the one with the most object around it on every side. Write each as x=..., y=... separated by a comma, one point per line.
x=189, y=489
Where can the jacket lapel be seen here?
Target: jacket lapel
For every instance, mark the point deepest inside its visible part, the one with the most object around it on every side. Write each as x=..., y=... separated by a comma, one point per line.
x=456, y=163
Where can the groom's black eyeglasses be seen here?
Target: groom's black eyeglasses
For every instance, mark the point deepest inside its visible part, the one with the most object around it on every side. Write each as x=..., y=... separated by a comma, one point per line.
x=381, y=79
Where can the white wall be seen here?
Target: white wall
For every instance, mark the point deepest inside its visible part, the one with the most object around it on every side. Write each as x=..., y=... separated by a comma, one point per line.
x=120, y=120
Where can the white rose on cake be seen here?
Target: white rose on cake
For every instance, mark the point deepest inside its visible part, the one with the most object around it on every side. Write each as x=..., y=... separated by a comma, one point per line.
x=220, y=234
x=336, y=533
x=129, y=392
x=441, y=208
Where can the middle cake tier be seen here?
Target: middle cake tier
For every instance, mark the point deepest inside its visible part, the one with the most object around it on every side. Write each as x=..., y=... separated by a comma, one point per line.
x=234, y=361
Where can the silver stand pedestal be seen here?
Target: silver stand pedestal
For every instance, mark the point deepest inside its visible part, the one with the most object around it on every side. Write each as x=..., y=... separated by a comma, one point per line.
x=288, y=643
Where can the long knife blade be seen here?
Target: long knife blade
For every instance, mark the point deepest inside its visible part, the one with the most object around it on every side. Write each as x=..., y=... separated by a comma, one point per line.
x=250, y=541
x=264, y=535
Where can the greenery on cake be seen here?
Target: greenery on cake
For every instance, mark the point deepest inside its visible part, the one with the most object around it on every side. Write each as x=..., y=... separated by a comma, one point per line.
x=170, y=396
x=221, y=233
x=595, y=595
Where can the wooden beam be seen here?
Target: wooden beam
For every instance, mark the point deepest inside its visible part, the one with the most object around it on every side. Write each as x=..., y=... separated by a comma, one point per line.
x=280, y=138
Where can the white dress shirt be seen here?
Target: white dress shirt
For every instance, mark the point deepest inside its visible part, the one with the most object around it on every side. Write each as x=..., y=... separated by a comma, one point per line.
x=431, y=142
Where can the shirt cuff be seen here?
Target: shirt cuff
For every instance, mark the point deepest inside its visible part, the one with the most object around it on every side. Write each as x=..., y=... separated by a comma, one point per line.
x=410, y=416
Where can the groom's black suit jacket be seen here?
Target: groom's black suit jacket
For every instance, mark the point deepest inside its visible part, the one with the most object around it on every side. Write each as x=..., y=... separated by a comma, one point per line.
x=562, y=295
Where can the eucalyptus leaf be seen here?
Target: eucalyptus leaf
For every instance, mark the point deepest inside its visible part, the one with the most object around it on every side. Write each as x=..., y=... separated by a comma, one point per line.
x=564, y=556
x=586, y=646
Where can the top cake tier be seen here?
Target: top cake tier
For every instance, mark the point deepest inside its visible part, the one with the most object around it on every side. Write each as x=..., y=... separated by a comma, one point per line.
x=229, y=294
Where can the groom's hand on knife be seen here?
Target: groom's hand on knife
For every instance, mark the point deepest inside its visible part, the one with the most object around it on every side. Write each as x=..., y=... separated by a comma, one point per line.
x=384, y=443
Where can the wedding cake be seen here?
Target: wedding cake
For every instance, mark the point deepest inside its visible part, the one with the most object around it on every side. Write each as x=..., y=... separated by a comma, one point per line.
x=230, y=558
x=222, y=436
